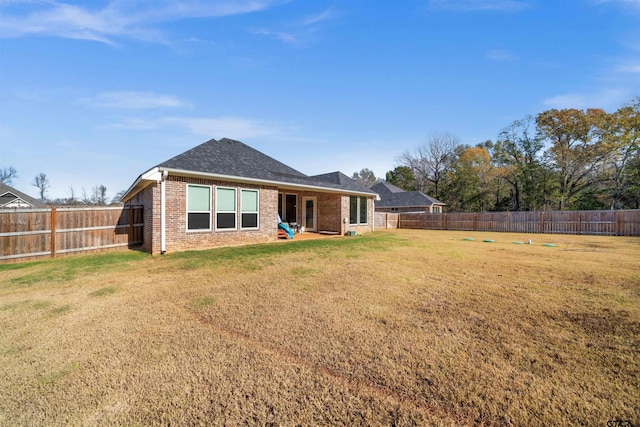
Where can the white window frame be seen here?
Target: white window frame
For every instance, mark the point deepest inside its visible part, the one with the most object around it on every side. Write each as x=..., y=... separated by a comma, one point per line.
x=235, y=212
x=358, y=209
x=198, y=230
x=257, y=211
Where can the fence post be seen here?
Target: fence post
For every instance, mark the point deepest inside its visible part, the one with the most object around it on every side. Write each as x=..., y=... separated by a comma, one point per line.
x=53, y=232
x=445, y=221
x=579, y=222
x=475, y=221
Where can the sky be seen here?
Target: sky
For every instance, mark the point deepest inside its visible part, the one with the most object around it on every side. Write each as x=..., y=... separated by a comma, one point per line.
x=98, y=92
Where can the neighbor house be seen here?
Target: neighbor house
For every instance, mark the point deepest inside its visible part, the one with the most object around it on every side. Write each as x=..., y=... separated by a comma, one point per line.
x=10, y=198
x=226, y=193
x=395, y=199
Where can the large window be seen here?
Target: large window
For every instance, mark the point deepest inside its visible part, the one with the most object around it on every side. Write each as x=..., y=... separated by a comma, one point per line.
x=249, y=208
x=198, y=207
x=358, y=210
x=225, y=208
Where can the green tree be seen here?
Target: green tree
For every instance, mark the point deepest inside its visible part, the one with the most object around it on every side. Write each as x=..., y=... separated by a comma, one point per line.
x=402, y=176
x=518, y=158
x=469, y=182
x=620, y=139
x=574, y=151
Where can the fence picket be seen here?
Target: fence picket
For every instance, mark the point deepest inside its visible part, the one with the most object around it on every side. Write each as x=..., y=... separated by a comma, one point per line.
x=607, y=223
x=34, y=233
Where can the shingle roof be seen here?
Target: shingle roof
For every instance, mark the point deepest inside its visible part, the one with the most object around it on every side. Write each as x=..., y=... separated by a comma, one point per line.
x=389, y=197
x=384, y=187
x=343, y=181
x=10, y=194
x=235, y=159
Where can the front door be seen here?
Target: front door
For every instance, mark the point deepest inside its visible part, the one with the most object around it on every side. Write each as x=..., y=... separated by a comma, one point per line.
x=309, y=204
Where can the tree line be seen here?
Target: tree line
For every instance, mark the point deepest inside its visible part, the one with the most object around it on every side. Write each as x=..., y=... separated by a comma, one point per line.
x=97, y=197
x=567, y=159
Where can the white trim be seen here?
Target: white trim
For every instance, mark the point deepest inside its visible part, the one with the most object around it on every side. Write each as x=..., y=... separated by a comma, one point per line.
x=279, y=184
x=315, y=213
x=235, y=212
x=257, y=212
x=198, y=230
x=358, y=205
x=163, y=218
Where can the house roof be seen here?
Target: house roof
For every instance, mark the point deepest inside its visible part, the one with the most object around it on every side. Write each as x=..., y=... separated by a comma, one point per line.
x=392, y=196
x=231, y=159
x=384, y=187
x=11, y=196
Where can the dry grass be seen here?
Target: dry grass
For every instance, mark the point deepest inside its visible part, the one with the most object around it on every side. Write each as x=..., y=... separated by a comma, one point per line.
x=394, y=328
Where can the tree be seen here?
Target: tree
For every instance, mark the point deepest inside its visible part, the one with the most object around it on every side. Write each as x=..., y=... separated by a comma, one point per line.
x=620, y=138
x=7, y=175
x=574, y=150
x=117, y=199
x=42, y=183
x=402, y=177
x=99, y=196
x=517, y=156
x=469, y=180
x=365, y=177
x=430, y=162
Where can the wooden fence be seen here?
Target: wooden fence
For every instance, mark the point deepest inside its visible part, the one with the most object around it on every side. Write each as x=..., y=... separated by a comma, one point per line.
x=36, y=233
x=606, y=223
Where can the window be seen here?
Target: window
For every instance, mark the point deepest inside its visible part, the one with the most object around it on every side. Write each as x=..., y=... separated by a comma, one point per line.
x=363, y=210
x=353, y=210
x=249, y=208
x=358, y=209
x=198, y=207
x=436, y=209
x=225, y=208
x=291, y=208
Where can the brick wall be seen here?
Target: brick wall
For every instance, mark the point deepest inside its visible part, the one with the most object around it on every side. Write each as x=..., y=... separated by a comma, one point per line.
x=330, y=210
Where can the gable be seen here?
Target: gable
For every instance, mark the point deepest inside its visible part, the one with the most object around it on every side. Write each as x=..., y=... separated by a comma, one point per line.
x=12, y=198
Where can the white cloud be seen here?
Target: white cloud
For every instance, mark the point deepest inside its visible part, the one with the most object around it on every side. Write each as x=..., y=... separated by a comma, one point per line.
x=280, y=35
x=606, y=98
x=632, y=68
x=134, y=100
x=210, y=127
x=119, y=19
x=479, y=5
x=323, y=16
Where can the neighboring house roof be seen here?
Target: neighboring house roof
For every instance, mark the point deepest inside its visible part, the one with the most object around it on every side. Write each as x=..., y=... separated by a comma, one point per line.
x=231, y=159
x=394, y=197
x=12, y=198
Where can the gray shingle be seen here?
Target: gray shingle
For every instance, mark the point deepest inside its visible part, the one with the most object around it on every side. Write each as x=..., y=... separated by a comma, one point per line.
x=234, y=158
x=391, y=197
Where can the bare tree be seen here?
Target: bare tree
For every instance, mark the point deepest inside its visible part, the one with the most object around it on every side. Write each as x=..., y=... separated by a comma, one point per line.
x=72, y=196
x=99, y=195
x=431, y=160
x=7, y=175
x=365, y=177
x=42, y=183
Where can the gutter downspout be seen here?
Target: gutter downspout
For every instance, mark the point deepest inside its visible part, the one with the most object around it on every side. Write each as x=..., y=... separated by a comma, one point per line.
x=163, y=213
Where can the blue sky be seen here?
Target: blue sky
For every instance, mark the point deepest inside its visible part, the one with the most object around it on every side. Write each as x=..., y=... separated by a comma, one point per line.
x=97, y=92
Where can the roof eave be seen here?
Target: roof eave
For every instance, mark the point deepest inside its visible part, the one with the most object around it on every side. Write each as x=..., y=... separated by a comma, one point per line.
x=155, y=175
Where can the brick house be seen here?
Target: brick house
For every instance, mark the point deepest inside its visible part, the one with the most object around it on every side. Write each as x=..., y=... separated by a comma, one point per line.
x=224, y=193
x=395, y=199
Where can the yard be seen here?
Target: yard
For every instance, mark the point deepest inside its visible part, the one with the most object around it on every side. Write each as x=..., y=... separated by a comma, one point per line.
x=402, y=327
